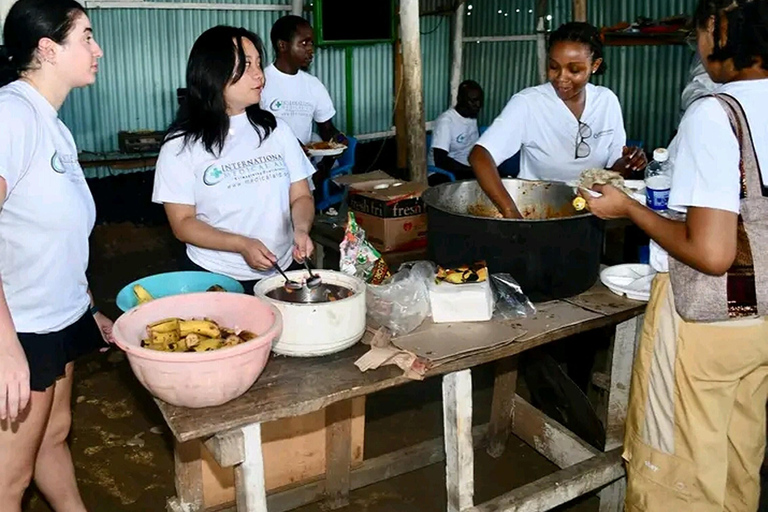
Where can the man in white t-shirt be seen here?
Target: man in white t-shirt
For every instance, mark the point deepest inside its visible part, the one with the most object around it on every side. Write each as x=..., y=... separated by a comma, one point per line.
x=456, y=132
x=295, y=96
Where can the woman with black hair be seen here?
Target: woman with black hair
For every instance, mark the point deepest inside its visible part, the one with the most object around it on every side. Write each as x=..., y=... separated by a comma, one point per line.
x=695, y=433
x=562, y=127
x=47, y=316
x=233, y=179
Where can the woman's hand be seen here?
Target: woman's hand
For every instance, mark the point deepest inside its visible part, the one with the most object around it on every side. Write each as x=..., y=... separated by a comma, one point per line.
x=14, y=379
x=613, y=204
x=632, y=159
x=303, y=247
x=105, y=327
x=256, y=254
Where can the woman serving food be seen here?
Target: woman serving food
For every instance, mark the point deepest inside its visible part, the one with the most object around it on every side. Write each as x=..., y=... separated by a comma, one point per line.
x=232, y=178
x=562, y=127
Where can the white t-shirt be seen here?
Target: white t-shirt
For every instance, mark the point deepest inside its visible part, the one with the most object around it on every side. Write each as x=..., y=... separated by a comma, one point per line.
x=539, y=124
x=47, y=216
x=245, y=190
x=299, y=100
x=455, y=134
x=705, y=154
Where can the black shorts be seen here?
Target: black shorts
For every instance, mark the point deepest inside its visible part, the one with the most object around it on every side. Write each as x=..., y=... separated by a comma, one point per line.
x=48, y=354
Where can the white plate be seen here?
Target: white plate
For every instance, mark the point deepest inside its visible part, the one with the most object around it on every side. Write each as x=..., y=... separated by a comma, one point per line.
x=326, y=152
x=632, y=280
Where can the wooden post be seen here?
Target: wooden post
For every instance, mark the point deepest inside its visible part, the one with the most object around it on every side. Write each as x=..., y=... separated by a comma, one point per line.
x=297, y=7
x=249, y=476
x=542, y=6
x=458, y=51
x=338, y=448
x=622, y=356
x=401, y=125
x=188, y=475
x=502, y=407
x=579, y=10
x=459, y=455
x=412, y=90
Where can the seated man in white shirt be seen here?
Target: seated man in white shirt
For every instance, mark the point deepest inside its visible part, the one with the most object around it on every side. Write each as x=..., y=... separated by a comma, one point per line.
x=295, y=96
x=456, y=132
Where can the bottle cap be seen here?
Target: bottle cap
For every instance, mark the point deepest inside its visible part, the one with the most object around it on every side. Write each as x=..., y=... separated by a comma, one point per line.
x=661, y=155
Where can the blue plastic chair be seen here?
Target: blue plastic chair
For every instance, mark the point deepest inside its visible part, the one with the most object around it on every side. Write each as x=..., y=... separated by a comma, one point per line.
x=333, y=194
x=433, y=169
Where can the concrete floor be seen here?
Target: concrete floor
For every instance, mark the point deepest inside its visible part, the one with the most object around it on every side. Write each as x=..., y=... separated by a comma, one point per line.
x=122, y=449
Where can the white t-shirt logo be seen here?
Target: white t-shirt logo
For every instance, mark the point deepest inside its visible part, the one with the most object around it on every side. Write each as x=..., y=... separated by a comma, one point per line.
x=275, y=105
x=57, y=164
x=246, y=172
x=461, y=138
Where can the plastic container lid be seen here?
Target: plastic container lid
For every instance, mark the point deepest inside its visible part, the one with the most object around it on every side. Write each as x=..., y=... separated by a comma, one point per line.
x=661, y=155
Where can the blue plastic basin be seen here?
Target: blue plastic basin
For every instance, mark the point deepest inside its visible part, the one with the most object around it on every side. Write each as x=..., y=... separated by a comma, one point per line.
x=175, y=283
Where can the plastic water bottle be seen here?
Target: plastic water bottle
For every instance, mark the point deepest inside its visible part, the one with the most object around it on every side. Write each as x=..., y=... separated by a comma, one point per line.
x=658, y=180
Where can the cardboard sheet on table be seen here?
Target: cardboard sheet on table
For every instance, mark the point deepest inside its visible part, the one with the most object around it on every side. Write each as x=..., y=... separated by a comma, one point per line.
x=438, y=342
x=551, y=316
x=602, y=300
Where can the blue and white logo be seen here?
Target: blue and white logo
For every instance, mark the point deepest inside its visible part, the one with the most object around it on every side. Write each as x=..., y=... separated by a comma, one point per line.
x=275, y=105
x=213, y=175
x=461, y=138
x=57, y=164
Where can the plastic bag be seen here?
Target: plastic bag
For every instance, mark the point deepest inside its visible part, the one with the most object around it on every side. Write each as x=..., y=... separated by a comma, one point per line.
x=401, y=303
x=511, y=302
x=358, y=257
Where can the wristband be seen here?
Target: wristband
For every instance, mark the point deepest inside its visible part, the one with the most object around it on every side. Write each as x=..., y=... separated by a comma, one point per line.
x=94, y=309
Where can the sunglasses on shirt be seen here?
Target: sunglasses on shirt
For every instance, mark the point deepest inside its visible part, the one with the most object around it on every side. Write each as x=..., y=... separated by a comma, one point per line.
x=582, y=148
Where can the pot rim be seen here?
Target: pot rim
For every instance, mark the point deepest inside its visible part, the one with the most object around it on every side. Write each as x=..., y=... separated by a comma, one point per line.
x=431, y=191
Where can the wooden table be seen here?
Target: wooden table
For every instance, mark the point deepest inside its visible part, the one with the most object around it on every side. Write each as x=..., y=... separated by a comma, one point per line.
x=293, y=386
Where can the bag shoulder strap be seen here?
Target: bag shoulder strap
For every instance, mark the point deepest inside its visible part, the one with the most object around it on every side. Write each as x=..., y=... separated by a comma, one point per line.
x=749, y=166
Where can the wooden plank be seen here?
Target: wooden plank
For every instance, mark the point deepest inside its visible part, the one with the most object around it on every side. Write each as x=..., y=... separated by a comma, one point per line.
x=375, y=470
x=548, y=437
x=295, y=386
x=413, y=90
x=249, y=476
x=622, y=358
x=227, y=448
x=559, y=487
x=457, y=51
x=579, y=10
x=401, y=124
x=188, y=476
x=338, y=454
x=504, y=387
x=459, y=453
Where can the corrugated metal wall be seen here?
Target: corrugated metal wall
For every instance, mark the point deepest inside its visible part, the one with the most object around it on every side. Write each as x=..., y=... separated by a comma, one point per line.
x=146, y=50
x=648, y=80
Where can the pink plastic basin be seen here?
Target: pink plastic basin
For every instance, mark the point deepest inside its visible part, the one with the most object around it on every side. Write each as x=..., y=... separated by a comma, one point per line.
x=200, y=379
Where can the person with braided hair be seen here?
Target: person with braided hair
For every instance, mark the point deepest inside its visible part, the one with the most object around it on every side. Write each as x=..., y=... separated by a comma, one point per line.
x=562, y=127
x=696, y=424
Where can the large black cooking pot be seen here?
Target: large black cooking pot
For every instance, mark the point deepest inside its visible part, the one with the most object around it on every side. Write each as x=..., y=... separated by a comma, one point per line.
x=554, y=252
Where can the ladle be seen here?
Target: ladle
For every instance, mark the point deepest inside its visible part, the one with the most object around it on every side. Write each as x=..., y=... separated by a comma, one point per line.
x=289, y=284
x=314, y=280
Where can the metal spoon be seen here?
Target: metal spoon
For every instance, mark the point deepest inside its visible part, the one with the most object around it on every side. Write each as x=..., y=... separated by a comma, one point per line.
x=314, y=279
x=289, y=284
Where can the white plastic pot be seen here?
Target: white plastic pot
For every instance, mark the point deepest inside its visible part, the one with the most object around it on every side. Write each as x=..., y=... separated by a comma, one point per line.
x=318, y=329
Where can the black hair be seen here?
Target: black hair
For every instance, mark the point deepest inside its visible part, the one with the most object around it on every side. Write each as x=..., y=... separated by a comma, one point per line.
x=216, y=60
x=29, y=21
x=469, y=85
x=285, y=29
x=584, y=33
x=747, y=30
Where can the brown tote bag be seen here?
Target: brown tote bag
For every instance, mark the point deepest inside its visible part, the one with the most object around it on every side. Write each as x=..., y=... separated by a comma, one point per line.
x=743, y=290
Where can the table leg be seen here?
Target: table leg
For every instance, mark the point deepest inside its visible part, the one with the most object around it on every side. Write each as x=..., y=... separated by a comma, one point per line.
x=338, y=454
x=250, y=488
x=622, y=357
x=459, y=455
x=504, y=388
x=188, y=477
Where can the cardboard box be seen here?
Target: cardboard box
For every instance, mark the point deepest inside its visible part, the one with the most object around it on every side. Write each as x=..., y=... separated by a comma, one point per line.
x=394, y=234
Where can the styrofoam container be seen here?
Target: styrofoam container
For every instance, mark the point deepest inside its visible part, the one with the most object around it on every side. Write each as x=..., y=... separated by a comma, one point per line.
x=317, y=329
x=200, y=379
x=468, y=302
